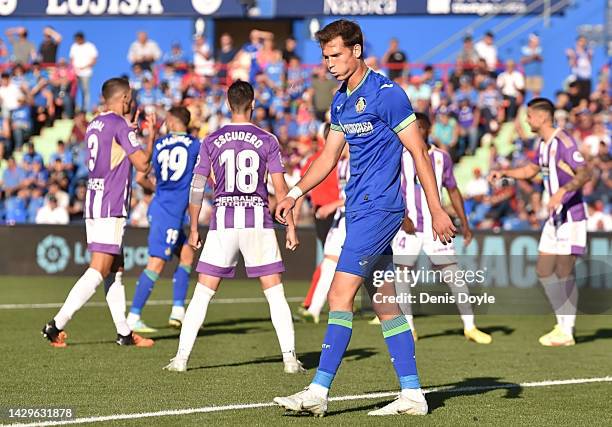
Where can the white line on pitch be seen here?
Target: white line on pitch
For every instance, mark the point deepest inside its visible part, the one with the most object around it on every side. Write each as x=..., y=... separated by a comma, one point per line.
x=188, y=411
x=152, y=302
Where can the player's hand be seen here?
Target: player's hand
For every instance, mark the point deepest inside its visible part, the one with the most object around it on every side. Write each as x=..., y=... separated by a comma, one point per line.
x=194, y=240
x=467, y=236
x=292, y=240
x=325, y=211
x=494, y=176
x=283, y=208
x=443, y=227
x=408, y=226
x=555, y=200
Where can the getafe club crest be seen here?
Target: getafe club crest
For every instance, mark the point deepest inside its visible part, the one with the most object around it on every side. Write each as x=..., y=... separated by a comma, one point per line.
x=360, y=105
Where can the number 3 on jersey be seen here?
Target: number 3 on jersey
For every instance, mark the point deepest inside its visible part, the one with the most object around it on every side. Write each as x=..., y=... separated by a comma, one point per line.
x=175, y=161
x=241, y=171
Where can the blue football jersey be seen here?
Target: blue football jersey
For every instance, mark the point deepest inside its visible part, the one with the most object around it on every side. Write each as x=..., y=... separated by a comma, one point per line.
x=370, y=117
x=174, y=157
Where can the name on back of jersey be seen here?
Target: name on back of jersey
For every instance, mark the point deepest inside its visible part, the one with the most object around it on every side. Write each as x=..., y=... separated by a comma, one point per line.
x=174, y=139
x=95, y=125
x=252, y=139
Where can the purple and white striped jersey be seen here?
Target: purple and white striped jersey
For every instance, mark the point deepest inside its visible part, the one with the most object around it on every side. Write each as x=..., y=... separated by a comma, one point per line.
x=239, y=157
x=414, y=195
x=110, y=140
x=558, y=160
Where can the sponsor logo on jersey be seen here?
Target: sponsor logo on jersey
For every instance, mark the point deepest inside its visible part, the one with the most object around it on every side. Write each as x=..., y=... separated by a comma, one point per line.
x=360, y=129
x=133, y=140
x=386, y=85
x=577, y=157
x=360, y=105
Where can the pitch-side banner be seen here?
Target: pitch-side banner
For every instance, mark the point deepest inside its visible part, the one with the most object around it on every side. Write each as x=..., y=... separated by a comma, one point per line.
x=279, y=8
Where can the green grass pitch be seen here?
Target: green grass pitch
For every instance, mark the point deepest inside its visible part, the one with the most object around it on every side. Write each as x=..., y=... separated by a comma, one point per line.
x=236, y=360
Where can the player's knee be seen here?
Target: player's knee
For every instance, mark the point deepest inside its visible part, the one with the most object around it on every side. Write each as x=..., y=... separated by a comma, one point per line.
x=270, y=281
x=339, y=300
x=155, y=265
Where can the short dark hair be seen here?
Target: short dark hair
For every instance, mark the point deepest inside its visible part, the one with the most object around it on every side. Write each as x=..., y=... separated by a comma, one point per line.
x=79, y=35
x=542, y=104
x=349, y=31
x=240, y=95
x=423, y=118
x=113, y=86
x=181, y=113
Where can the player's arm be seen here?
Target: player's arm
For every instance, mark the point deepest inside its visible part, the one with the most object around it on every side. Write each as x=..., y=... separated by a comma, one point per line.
x=316, y=173
x=281, y=190
x=524, y=172
x=144, y=180
x=572, y=159
x=457, y=201
x=140, y=158
x=413, y=141
x=196, y=196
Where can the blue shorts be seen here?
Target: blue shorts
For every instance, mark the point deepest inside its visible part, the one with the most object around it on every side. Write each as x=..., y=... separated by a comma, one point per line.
x=166, y=235
x=369, y=236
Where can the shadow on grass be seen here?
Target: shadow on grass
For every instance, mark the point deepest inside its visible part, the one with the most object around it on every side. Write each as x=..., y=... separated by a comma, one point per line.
x=437, y=397
x=310, y=360
x=449, y=332
x=600, y=334
x=227, y=322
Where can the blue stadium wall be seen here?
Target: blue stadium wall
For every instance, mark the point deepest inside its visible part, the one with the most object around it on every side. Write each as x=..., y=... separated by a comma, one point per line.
x=417, y=35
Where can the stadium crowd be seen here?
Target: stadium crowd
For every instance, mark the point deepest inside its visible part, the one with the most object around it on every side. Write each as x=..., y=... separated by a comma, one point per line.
x=470, y=105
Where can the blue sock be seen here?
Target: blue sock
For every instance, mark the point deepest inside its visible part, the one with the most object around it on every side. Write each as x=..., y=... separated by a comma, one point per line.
x=144, y=287
x=401, y=348
x=180, y=283
x=337, y=337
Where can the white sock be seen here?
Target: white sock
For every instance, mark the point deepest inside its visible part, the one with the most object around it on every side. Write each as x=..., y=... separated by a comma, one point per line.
x=410, y=320
x=115, y=298
x=415, y=394
x=465, y=309
x=132, y=318
x=567, y=312
x=178, y=312
x=319, y=390
x=281, y=317
x=319, y=297
x=551, y=288
x=194, y=317
x=80, y=293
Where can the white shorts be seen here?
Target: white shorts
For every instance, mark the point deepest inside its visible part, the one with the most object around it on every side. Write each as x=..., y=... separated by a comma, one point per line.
x=407, y=247
x=105, y=234
x=335, y=238
x=258, y=247
x=568, y=238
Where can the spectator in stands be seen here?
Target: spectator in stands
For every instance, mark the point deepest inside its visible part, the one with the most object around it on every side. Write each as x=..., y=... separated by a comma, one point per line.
x=30, y=156
x=77, y=203
x=21, y=124
x=12, y=178
x=445, y=133
x=532, y=65
x=63, y=87
x=203, y=60
x=138, y=76
x=148, y=96
x=274, y=69
x=24, y=51
x=47, y=51
x=468, y=118
x=175, y=56
x=395, y=60
x=323, y=90
x=139, y=217
x=289, y=52
x=59, y=175
x=511, y=84
x=52, y=213
x=10, y=94
x=64, y=156
x=225, y=55
x=592, y=143
x=252, y=47
x=144, y=51
x=83, y=56
x=490, y=103
x=40, y=90
x=580, y=62
x=296, y=79
x=3, y=51
x=60, y=195
x=37, y=176
x=597, y=219
x=468, y=57
x=35, y=203
x=487, y=50
x=17, y=207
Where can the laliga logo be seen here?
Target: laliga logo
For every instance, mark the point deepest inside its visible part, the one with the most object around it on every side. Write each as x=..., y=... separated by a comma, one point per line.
x=52, y=254
x=205, y=7
x=7, y=7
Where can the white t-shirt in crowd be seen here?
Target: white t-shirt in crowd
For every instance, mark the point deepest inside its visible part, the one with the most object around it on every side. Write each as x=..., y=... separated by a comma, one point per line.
x=511, y=83
x=9, y=96
x=599, y=221
x=488, y=53
x=81, y=56
x=47, y=215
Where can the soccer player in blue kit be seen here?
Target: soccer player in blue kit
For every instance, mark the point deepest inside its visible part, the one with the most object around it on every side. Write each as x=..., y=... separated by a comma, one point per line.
x=375, y=117
x=174, y=157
